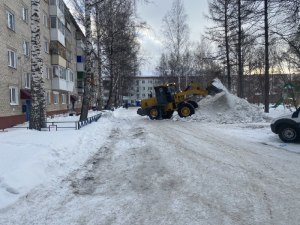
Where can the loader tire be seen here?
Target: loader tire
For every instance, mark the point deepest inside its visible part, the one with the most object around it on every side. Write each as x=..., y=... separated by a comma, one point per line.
x=194, y=104
x=186, y=109
x=153, y=113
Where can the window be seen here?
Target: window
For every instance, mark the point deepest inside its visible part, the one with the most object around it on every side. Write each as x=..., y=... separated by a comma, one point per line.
x=52, y=2
x=10, y=20
x=70, y=76
x=56, y=98
x=25, y=14
x=46, y=46
x=47, y=72
x=143, y=81
x=13, y=91
x=26, y=48
x=144, y=88
x=63, y=73
x=45, y=20
x=63, y=99
x=55, y=71
x=60, y=72
x=27, y=80
x=12, y=59
x=48, y=97
x=79, y=59
x=53, y=21
x=61, y=26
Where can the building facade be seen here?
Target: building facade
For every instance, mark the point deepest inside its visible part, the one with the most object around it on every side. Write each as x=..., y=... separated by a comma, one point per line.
x=142, y=87
x=59, y=40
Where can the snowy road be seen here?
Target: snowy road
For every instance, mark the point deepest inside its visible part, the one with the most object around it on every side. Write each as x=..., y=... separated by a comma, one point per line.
x=169, y=172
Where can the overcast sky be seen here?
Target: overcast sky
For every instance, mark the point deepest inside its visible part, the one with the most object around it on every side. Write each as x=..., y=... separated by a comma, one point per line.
x=153, y=14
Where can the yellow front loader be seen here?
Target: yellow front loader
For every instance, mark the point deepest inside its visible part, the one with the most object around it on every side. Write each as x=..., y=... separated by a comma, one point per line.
x=167, y=100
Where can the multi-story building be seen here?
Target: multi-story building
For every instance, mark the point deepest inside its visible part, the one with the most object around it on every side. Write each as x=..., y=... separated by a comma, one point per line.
x=142, y=87
x=59, y=39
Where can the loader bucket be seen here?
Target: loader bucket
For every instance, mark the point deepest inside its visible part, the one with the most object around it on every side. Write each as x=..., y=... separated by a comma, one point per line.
x=212, y=90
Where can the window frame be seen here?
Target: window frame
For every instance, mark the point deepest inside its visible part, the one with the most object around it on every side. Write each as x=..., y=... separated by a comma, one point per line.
x=63, y=99
x=11, y=20
x=46, y=47
x=12, y=63
x=48, y=97
x=55, y=98
x=26, y=48
x=13, y=93
x=47, y=72
x=27, y=80
x=25, y=14
x=45, y=20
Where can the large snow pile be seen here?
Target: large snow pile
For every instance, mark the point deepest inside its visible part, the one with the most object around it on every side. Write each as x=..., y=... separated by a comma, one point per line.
x=226, y=108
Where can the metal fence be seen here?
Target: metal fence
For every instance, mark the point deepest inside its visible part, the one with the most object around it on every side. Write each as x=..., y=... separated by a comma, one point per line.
x=88, y=121
x=67, y=124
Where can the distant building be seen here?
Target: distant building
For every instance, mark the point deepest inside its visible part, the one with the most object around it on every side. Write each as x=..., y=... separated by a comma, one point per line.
x=142, y=87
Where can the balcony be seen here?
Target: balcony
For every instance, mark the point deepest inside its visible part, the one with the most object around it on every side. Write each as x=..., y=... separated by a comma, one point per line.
x=57, y=35
x=80, y=76
x=80, y=67
x=57, y=10
x=62, y=84
x=58, y=60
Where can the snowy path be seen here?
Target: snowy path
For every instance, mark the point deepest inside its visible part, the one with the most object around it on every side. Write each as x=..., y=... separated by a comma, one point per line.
x=169, y=172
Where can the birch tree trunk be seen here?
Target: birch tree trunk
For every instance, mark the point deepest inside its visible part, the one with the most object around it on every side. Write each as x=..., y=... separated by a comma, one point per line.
x=99, y=53
x=88, y=61
x=38, y=101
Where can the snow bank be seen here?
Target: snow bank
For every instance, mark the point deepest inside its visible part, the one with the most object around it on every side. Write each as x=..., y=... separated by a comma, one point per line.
x=226, y=108
x=29, y=158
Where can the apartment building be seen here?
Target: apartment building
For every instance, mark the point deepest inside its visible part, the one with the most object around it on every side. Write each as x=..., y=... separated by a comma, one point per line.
x=142, y=87
x=59, y=38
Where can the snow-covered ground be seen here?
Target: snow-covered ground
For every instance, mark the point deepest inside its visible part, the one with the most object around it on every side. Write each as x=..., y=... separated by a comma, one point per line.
x=223, y=165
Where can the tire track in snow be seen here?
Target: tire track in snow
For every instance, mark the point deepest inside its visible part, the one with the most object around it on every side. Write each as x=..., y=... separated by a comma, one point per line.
x=261, y=178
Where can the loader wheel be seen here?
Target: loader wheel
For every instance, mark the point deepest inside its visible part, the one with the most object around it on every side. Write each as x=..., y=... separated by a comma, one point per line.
x=194, y=104
x=186, y=109
x=154, y=113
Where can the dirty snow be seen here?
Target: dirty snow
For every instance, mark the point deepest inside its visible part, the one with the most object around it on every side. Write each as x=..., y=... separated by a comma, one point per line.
x=216, y=167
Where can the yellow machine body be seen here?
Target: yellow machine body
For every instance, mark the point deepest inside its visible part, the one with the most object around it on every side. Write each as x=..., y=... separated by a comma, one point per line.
x=168, y=100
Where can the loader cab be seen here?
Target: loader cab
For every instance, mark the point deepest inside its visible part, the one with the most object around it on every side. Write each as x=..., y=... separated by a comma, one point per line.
x=165, y=94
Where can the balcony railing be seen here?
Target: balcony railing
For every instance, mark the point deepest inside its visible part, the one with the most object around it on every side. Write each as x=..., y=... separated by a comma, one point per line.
x=62, y=85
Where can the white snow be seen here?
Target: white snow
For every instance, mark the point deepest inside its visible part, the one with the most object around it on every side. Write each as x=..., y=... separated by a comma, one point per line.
x=126, y=169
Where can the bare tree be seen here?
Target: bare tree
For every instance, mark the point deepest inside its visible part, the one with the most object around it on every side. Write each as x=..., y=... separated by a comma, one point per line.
x=176, y=33
x=119, y=45
x=38, y=102
x=222, y=15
